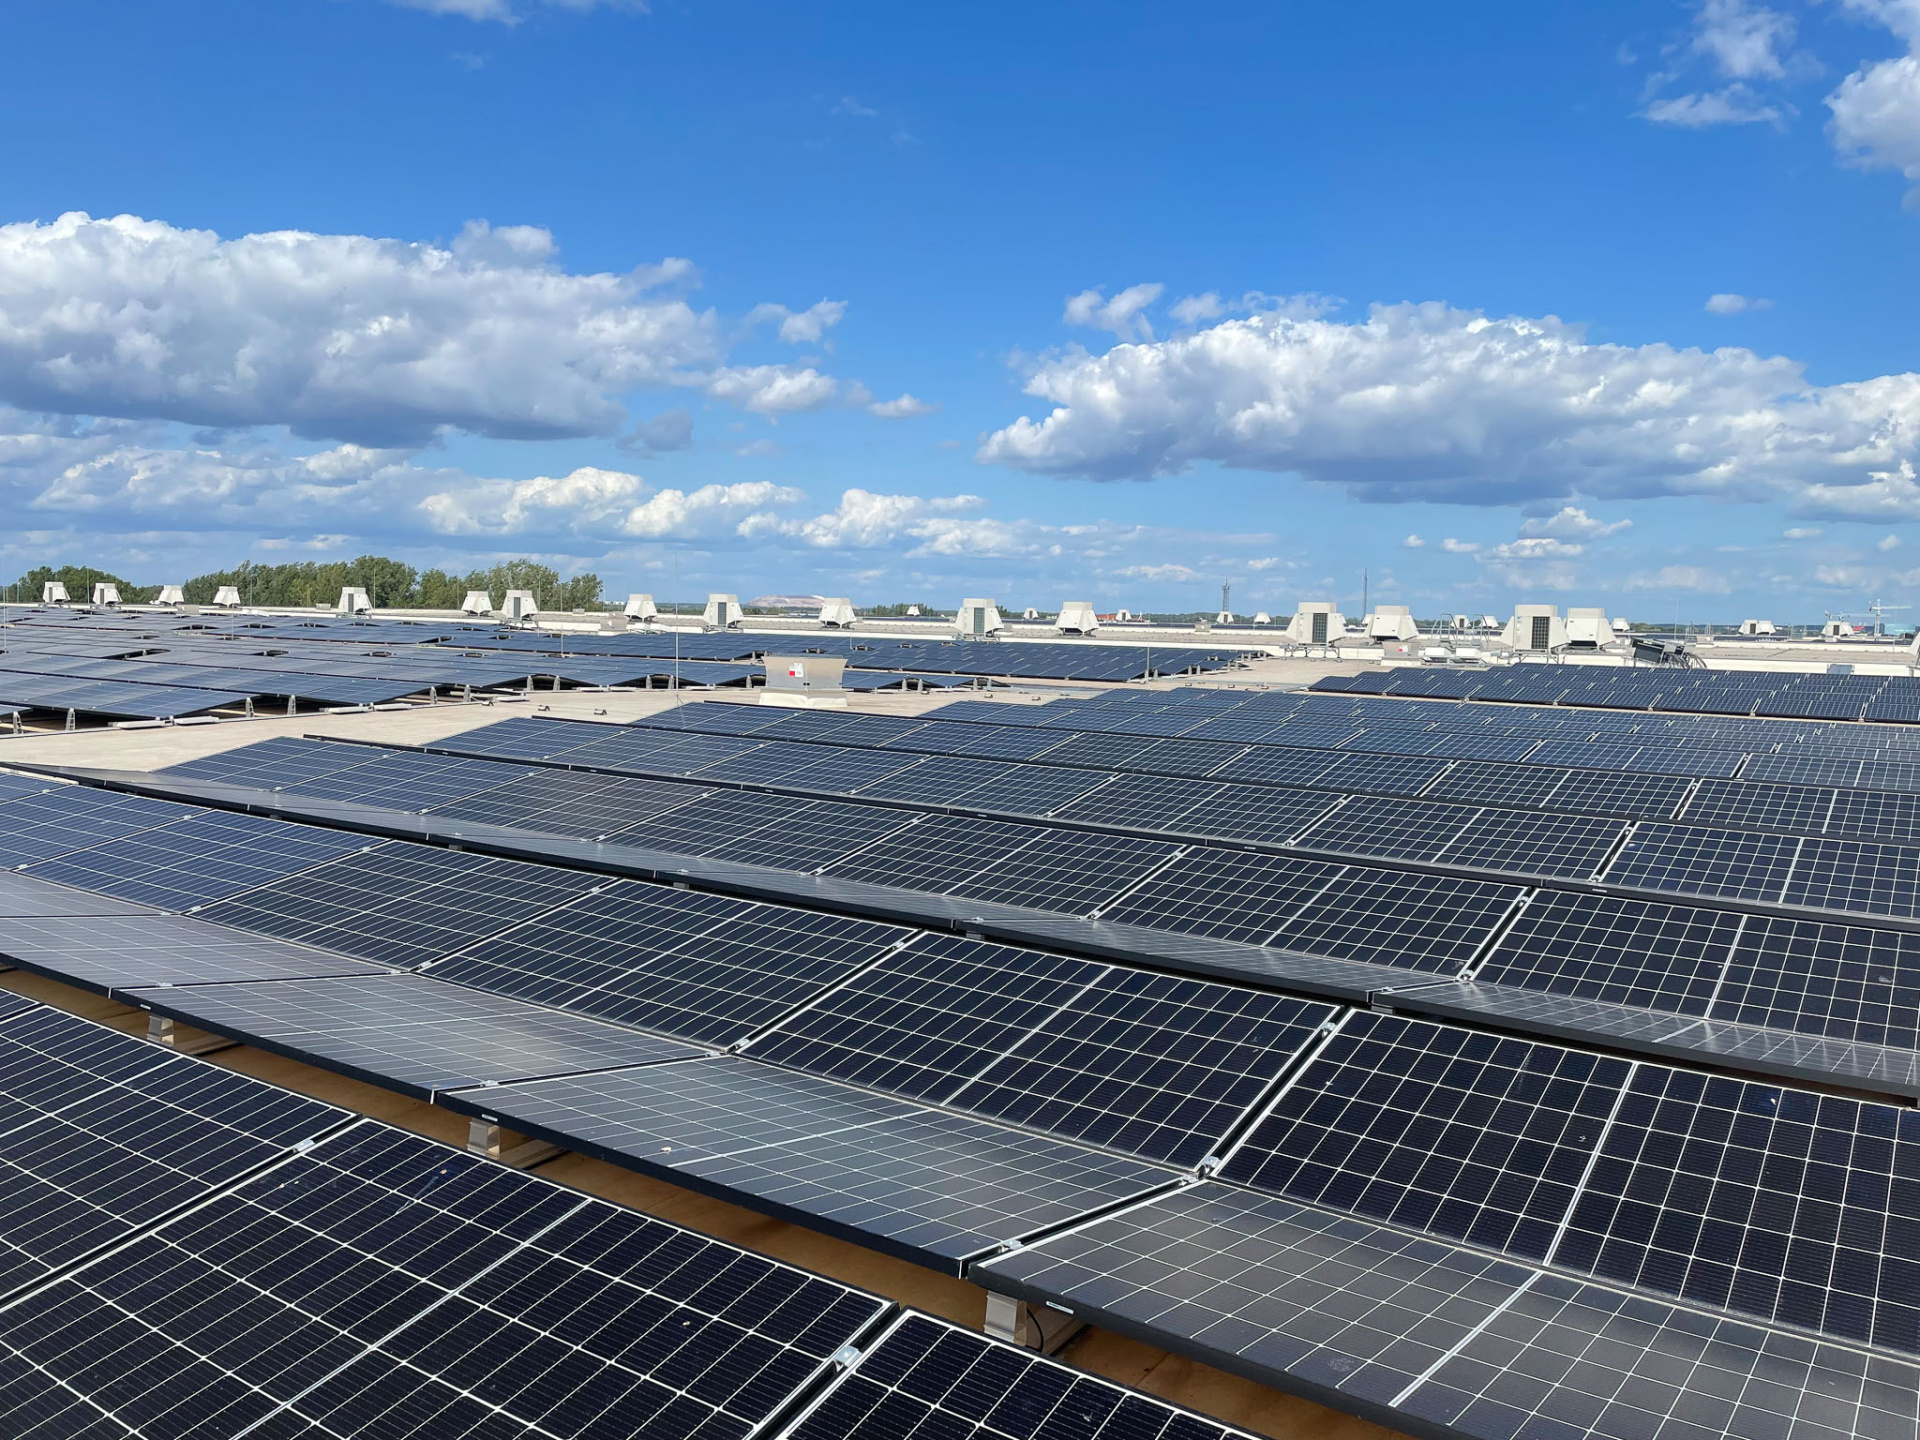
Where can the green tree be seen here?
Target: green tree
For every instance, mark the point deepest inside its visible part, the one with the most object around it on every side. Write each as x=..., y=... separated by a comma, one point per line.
x=79, y=580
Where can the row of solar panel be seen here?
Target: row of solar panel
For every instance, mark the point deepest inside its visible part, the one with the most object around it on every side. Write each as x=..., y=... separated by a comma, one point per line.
x=1496, y=1193
x=268, y=1265
x=1718, y=1192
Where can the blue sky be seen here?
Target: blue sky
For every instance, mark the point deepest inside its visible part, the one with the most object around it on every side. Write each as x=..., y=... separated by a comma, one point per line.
x=1598, y=304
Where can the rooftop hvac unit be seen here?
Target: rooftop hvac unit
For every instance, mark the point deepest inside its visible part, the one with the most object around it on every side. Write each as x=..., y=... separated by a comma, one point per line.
x=171, y=595
x=978, y=618
x=641, y=609
x=722, y=612
x=105, y=592
x=1316, y=622
x=913, y=609
x=1262, y=618
x=1030, y=613
x=1835, y=630
x=1489, y=622
x=1462, y=622
x=478, y=602
x=1123, y=614
x=837, y=614
x=353, y=600
x=804, y=681
x=1589, y=628
x=519, y=605
x=227, y=597
x=1392, y=622
x=1536, y=627
x=1225, y=617
x=1621, y=627
x=1756, y=627
x=1077, y=618
x=52, y=592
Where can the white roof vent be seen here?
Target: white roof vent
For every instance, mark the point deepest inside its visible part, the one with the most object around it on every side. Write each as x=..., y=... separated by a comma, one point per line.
x=519, y=605
x=1263, y=618
x=837, y=613
x=1536, y=627
x=806, y=681
x=52, y=592
x=227, y=597
x=105, y=592
x=722, y=612
x=353, y=600
x=1392, y=622
x=979, y=617
x=1589, y=626
x=1316, y=622
x=1756, y=627
x=171, y=595
x=478, y=602
x=1077, y=618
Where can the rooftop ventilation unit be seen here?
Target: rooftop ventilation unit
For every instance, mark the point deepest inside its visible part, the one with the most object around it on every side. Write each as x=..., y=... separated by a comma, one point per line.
x=978, y=618
x=1029, y=613
x=1756, y=627
x=1461, y=622
x=804, y=681
x=353, y=600
x=53, y=592
x=105, y=592
x=722, y=612
x=1225, y=617
x=227, y=597
x=1316, y=622
x=478, y=602
x=837, y=614
x=1589, y=628
x=519, y=605
x=1262, y=618
x=1836, y=630
x=1392, y=622
x=1649, y=650
x=913, y=609
x=641, y=610
x=1621, y=627
x=1077, y=618
x=1537, y=627
x=171, y=595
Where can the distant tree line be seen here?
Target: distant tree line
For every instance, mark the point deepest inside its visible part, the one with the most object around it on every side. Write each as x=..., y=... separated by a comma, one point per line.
x=390, y=584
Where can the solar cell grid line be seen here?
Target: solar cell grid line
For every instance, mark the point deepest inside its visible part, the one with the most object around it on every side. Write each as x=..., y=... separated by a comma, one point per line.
x=206, y=856
x=929, y=1018
x=1580, y=1358
x=1068, y=871
x=934, y=1187
x=1256, y=814
x=1384, y=828
x=573, y=802
x=1152, y=802
x=1766, y=1200
x=1856, y=876
x=1850, y=982
x=71, y=817
x=717, y=818
x=989, y=742
x=1225, y=895
x=383, y=1275
x=936, y=854
x=105, y=1134
x=1746, y=805
x=1309, y=1300
x=1613, y=949
x=1156, y=1065
x=807, y=839
x=927, y=1378
x=1514, y=841
x=401, y=903
x=406, y=1032
x=1694, y=860
x=661, y=751
x=1465, y=1135
x=270, y=762
x=413, y=781
x=1803, y=769
x=644, y=956
x=808, y=767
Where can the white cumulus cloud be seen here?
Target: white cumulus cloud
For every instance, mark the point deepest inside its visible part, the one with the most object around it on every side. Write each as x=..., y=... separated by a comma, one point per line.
x=1413, y=542
x=865, y=520
x=349, y=337
x=1570, y=522
x=901, y=407
x=1696, y=579
x=1459, y=547
x=512, y=507
x=1427, y=402
x=1730, y=105
x=1121, y=315
x=1728, y=304
x=1164, y=574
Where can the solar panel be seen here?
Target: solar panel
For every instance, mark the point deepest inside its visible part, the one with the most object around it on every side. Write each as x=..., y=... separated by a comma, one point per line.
x=1850, y=982
x=928, y=1380
x=932, y=781
x=1066, y=871
x=1856, y=876
x=1690, y=860
x=406, y=1032
x=105, y=952
x=25, y=896
x=697, y=966
x=1388, y=829
x=937, y=854
x=936, y=1187
x=810, y=836
x=1224, y=895
x=1568, y=846
x=381, y=1278
x=105, y=1134
x=1622, y=951
x=207, y=855
x=1029, y=789
x=1433, y=923
x=808, y=767
x=1465, y=1135
x=1256, y=814
x=401, y=904
x=1149, y=802
x=1772, y=1201
x=1875, y=815
x=38, y=827
x=575, y=803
